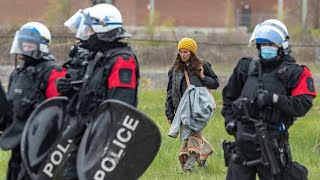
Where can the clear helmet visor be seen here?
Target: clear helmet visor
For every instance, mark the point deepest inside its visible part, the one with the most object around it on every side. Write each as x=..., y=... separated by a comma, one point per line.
x=26, y=44
x=80, y=25
x=253, y=35
x=266, y=33
x=269, y=36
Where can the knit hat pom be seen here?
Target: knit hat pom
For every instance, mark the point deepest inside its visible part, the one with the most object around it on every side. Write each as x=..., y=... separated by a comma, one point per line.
x=188, y=43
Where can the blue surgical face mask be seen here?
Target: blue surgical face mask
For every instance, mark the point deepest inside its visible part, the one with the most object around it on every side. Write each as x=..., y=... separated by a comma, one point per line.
x=268, y=52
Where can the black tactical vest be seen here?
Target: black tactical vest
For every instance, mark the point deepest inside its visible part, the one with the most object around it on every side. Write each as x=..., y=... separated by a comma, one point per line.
x=95, y=82
x=77, y=65
x=27, y=87
x=277, y=81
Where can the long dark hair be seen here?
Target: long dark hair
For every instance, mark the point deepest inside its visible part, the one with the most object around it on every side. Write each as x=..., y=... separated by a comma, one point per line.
x=195, y=63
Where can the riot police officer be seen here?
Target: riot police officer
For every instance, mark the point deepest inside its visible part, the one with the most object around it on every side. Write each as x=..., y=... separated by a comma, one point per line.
x=112, y=71
x=29, y=85
x=260, y=102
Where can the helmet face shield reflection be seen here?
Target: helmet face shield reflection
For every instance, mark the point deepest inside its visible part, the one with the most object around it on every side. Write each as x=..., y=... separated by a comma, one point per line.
x=80, y=24
x=27, y=44
x=268, y=32
x=269, y=36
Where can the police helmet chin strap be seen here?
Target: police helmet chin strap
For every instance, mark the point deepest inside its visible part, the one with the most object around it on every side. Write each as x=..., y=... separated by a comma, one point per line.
x=15, y=60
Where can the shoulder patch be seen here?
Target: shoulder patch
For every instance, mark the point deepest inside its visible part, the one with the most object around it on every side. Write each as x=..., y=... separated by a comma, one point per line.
x=305, y=84
x=310, y=84
x=123, y=73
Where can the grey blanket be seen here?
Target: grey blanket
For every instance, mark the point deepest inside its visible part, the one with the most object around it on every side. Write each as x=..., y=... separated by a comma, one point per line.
x=195, y=109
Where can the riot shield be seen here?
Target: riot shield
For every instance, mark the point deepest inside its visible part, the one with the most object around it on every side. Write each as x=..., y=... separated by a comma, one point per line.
x=120, y=143
x=43, y=150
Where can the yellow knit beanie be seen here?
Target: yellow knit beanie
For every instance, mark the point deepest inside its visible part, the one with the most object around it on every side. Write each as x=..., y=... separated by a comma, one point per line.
x=188, y=43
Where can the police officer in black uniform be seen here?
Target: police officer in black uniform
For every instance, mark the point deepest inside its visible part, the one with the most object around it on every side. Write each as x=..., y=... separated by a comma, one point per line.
x=112, y=71
x=29, y=85
x=273, y=89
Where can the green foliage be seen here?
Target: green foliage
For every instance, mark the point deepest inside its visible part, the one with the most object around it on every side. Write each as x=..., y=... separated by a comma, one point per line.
x=145, y=83
x=4, y=157
x=149, y=43
x=13, y=26
x=295, y=33
x=153, y=20
x=58, y=11
x=315, y=33
x=154, y=23
x=168, y=23
x=304, y=137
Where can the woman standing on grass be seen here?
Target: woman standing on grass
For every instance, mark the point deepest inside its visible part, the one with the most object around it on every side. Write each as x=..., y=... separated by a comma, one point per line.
x=189, y=69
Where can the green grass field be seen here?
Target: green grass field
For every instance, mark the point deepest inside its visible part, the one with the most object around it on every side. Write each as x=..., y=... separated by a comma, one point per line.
x=304, y=140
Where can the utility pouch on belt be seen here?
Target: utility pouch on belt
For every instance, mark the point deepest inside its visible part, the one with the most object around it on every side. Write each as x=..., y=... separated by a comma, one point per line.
x=227, y=146
x=295, y=171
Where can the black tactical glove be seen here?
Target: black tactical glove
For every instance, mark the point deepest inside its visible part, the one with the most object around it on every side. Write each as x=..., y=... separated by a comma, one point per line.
x=231, y=128
x=73, y=51
x=266, y=99
x=64, y=86
x=239, y=104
